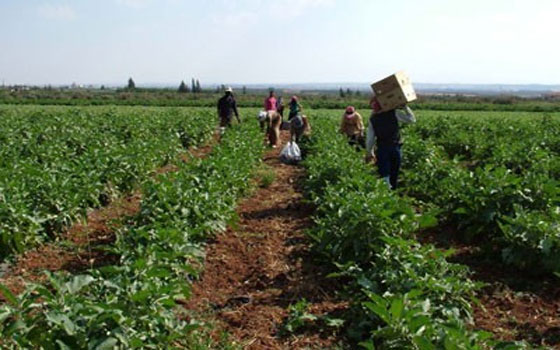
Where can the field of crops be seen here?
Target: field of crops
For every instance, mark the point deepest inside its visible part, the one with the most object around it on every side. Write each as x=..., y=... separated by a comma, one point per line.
x=492, y=177
x=486, y=179
x=57, y=162
x=132, y=304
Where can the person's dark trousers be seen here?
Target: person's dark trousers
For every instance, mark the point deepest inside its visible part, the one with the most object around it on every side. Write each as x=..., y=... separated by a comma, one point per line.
x=389, y=163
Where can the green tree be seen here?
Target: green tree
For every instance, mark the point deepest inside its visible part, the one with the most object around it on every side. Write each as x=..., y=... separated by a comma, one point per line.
x=198, y=88
x=244, y=90
x=183, y=87
x=193, y=85
x=131, y=84
x=341, y=93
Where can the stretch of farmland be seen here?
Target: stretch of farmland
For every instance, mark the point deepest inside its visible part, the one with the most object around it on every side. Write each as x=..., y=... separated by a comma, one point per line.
x=479, y=196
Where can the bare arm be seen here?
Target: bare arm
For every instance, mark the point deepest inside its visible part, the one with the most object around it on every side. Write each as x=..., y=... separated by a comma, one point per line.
x=370, y=141
x=360, y=123
x=405, y=115
x=235, y=111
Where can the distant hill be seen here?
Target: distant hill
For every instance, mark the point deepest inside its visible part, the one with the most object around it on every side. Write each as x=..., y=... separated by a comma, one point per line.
x=523, y=90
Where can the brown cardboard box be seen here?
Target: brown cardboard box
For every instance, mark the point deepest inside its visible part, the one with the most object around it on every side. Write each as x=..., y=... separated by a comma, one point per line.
x=394, y=91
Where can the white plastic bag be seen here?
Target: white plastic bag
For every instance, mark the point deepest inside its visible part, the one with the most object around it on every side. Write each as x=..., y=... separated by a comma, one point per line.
x=291, y=154
x=262, y=116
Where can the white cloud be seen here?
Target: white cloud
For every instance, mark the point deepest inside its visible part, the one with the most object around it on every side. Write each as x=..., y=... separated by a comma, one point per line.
x=57, y=12
x=136, y=4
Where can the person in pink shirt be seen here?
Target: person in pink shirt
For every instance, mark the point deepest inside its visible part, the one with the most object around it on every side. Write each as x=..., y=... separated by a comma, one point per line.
x=270, y=102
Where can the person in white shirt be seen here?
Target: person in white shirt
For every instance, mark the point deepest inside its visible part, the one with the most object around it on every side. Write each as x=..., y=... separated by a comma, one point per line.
x=383, y=142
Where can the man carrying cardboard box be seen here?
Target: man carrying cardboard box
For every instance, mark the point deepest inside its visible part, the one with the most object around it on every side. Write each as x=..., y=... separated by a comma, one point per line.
x=383, y=142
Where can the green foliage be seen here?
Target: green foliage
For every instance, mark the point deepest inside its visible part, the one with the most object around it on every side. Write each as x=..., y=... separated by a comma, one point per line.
x=297, y=318
x=131, y=85
x=335, y=99
x=133, y=304
x=55, y=163
x=494, y=177
x=265, y=175
x=405, y=295
x=300, y=318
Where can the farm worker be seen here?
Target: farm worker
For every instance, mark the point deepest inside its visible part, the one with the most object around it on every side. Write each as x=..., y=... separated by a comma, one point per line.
x=270, y=102
x=273, y=129
x=269, y=108
x=227, y=107
x=352, y=126
x=384, y=136
x=295, y=107
x=280, y=106
x=299, y=126
x=263, y=119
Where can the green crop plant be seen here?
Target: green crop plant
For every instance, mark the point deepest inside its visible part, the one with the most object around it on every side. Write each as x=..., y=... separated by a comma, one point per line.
x=57, y=162
x=404, y=295
x=134, y=303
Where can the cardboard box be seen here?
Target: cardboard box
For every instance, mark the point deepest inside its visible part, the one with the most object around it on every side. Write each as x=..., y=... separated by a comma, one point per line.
x=394, y=91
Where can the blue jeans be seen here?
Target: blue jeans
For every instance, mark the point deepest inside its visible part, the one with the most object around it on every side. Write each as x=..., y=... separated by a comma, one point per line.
x=389, y=162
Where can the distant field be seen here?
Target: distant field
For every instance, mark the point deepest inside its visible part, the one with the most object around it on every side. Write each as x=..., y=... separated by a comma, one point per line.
x=309, y=99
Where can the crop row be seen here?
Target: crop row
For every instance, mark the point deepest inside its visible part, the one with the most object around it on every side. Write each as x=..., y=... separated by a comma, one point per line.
x=134, y=304
x=494, y=179
x=404, y=295
x=55, y=163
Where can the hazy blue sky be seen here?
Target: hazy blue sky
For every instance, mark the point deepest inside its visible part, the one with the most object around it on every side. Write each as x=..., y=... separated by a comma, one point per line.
x=282, y=41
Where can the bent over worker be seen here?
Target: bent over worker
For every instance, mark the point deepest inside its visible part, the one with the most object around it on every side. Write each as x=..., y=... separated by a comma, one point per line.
x=352, y=126
x=384, y=140
x=274, y=120
x=299, y=126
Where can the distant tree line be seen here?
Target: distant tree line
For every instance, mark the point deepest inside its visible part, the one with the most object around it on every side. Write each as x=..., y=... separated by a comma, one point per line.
x=183, y=87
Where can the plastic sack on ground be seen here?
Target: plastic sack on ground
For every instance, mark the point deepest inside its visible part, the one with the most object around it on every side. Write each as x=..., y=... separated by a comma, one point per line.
x=291, y=154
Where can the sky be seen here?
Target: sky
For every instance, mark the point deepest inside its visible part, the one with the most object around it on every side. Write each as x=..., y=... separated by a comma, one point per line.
x=278, y=41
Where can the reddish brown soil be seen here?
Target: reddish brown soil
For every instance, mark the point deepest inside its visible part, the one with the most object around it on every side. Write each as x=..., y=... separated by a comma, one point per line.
x=254, y=271
x=515, y=305
x=84, y=240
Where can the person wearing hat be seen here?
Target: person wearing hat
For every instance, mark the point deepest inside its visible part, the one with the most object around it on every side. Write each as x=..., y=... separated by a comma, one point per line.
x=227, y=107
x=295, y=108
x=384, y=141
x=352, y=126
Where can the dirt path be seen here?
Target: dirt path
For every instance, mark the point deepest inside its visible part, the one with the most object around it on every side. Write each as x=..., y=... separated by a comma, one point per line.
x=255, y=271
x=80, y=247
